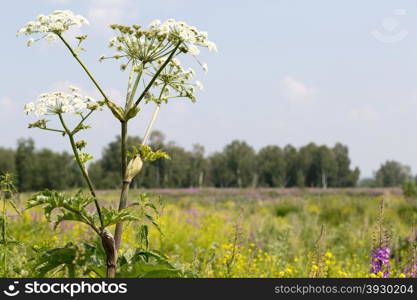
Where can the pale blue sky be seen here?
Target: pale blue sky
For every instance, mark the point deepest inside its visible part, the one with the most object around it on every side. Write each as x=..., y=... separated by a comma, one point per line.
x=288, y=71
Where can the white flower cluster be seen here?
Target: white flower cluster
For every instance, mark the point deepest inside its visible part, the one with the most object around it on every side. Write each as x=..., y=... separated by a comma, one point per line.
x=175, y=82
x=58, y=103
x=51, y=25
x=157, y=41
x=189, y=35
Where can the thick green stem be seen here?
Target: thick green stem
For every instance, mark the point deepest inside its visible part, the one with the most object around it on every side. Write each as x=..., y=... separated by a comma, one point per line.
x=4, y=237
x=83, y=169
x=125, y=183
x=106, y=238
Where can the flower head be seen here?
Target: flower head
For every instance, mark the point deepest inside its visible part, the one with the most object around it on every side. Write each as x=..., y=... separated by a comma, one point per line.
x=52, y=25
x=58, y=103
x=157, y=40
x=175, y=82
x=190, y=36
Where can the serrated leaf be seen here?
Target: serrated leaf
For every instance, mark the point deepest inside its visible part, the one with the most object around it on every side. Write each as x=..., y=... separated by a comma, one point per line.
x=54, y=258
x=112, y=216
x=147, y=154
x=71, y=208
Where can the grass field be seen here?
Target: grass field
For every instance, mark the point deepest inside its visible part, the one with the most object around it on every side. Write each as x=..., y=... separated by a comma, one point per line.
x=240, y=233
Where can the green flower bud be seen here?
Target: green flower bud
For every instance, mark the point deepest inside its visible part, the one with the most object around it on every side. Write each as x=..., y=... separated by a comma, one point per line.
x=80, y=144
x=134, y=167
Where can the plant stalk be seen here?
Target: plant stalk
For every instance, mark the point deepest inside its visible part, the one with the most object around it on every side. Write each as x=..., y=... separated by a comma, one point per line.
x=106, y=238
x=84, y=67
x=4, y=237
x=125, y=183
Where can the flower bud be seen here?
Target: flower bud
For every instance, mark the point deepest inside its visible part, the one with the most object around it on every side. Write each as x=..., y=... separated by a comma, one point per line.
x=134, y=167
x=80, y=144
x=116, y=110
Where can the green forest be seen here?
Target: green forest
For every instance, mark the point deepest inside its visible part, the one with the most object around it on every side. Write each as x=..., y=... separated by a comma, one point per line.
x=237, y=165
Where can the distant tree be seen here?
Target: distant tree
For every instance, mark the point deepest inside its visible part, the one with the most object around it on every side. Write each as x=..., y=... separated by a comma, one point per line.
x=152, y=173
x=7, y=161
x=176, y=170
x=307, y=173
x=198, y=166
x=392, y=173
x=26, y=165
x=320, y=166
x=237, y=165
x=324, y=167
x=366, y=182
x=344, y=177
x=240, y=160
x=270, y=165
x=106, y=170
x=48, y=170
x=220, y=175
x=292, y=173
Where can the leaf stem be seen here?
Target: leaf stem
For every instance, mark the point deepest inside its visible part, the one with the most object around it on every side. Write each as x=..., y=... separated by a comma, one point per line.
x=147, y=88
x=54, y=130
x=151, y=123
x=82, y=120
x=77, y=58
x=82, y=168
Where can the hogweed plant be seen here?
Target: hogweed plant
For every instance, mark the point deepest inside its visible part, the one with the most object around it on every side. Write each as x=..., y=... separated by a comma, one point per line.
x=156, y=75
x=7, y=195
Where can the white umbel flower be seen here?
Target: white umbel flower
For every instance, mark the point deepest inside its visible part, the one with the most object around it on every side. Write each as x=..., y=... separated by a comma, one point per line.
x=138, y=45
x=199, y=85
x=30, y=107
x=189, y=35
x=51, y=25
x=58, y=103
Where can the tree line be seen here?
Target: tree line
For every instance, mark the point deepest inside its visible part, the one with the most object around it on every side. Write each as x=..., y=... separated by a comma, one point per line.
x=237, y=165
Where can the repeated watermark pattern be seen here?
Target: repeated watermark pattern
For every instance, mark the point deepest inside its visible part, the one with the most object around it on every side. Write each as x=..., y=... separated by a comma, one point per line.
x=391, y=29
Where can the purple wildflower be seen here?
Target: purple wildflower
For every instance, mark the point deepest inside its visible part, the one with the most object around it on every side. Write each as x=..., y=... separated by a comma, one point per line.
x=193, y=212
x=380, y=261
x=193, y=216
x=411, y=272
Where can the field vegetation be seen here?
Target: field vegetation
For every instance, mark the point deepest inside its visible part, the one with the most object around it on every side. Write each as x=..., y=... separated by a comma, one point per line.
x=229, y=233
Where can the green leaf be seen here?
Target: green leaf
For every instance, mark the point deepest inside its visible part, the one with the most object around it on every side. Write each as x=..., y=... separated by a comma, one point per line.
x=113, y=216
x=84, y=157
x=70, y=208
x=147, y=154
x=52, y=259
x=149, y=210
x=144, y=236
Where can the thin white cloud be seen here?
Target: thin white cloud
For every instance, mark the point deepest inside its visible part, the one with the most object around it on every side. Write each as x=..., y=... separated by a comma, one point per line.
x=7, y=105
x=366, y=114
x=296, y=91
x=101, y=13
